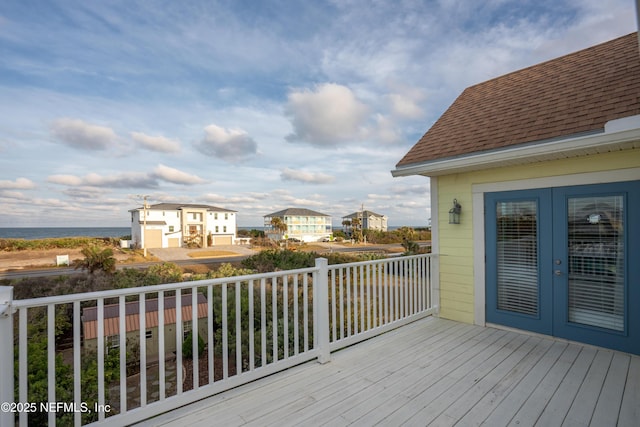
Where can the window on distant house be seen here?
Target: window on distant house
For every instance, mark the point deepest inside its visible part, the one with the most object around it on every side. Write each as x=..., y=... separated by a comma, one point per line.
x=186, y=328
x=217, y=229
x=224, y=229
x=112, y=341
x=215, y=215
x=226, y=216
x=149, y=334
x=171, y=228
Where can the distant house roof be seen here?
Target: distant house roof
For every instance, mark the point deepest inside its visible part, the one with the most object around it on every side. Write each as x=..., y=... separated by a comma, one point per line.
x=364, y=214
x=295, y=212
x=573, y=95
x=132, y=315
x=182, y=206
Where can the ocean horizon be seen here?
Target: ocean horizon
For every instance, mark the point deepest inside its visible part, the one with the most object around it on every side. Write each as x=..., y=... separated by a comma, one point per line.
x=32, y=233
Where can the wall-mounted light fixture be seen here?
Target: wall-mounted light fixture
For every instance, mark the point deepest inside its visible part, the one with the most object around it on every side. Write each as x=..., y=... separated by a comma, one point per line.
x=454, y=212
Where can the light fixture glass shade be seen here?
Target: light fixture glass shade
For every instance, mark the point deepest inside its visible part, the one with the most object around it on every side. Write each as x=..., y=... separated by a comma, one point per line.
x=454, y=212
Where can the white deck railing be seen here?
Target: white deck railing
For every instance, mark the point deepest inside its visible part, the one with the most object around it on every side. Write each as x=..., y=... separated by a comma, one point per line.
x=286, y=318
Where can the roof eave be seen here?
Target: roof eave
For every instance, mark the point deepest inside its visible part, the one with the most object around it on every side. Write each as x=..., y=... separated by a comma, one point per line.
x=559, y=149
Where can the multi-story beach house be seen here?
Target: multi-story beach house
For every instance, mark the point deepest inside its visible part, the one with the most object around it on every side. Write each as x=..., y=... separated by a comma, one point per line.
x=367, y=220
x=302, y=224
x=173, y=225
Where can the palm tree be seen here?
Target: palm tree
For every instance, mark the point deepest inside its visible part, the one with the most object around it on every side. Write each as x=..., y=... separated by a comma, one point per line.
x=278, y=225
x=97, y=259
x=357, y=229
x=347, y=226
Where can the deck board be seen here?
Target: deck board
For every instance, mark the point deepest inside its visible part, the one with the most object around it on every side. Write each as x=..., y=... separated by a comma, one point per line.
x=441, y=373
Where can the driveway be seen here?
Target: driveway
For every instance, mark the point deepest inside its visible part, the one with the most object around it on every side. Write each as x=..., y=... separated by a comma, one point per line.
x=181, y=254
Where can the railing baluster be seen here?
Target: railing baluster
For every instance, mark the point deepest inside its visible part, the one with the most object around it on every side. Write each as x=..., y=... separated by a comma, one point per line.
x=362, y=299
x=263, y=320
x=51, y=359
x=305, y=312
x=162, y=391
x=296, y=317
x=356, y=301
x=225, y=331
x=195, y=338
x=274, y=318
x=179, y=333
x=285, y=315
x=143, y=350
x=77, y=399
x=333, y=305
x=23, y=344
x=101, y=338
x=238, y=330
x=342, y=300
x=210, y=344
x=348, y=274
x=252, y=356
x=367, y=270
x=374, y=295
x=122, y=330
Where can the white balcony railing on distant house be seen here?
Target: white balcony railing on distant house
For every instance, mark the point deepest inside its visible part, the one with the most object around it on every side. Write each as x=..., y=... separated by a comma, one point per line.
x=285, y=318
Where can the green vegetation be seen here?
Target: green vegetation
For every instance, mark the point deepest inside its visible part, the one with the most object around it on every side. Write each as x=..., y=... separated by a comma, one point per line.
x=187, y=346
x=37, y=358
x=56, y=243
x=97, y=259
x=397, y=236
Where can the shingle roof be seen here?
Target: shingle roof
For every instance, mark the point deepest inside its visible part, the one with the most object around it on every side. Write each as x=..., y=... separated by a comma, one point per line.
x=363, y=213
x=571, y=95
x=132, y=315
x=178, y=206
x=296, y=212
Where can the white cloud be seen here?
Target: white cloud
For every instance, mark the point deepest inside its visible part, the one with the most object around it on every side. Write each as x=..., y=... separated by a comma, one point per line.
x=81, y=135
x=121, y=180
x=232, y=145
x=407, y=105
x=18, y=184
x=128, y=179
x=175, y=176
x=156, y=143
x=288, y=174
x=70, y=180
x=326, y=116
x=385, y=130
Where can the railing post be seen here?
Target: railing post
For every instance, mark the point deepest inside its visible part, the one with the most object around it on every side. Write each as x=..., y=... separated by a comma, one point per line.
x=6, y=353
x=321, y=309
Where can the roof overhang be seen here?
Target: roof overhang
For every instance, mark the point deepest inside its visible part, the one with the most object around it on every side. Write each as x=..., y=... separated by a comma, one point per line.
x=618, y=135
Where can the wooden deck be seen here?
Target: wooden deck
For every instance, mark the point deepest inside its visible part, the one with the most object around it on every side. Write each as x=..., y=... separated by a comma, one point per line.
x=437, y=372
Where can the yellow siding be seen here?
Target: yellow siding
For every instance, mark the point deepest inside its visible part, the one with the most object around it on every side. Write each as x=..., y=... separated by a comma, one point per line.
x=456, y=241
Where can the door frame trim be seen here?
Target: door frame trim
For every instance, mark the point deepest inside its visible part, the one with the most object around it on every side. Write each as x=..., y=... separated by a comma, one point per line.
x=477, y=197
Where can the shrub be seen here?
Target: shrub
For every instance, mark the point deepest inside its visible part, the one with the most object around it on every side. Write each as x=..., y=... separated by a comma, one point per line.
x=97, y=259
x=187, y=345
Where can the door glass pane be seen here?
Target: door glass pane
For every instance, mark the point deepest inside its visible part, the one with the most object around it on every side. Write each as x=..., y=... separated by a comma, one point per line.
x=517, y=257
x=596, y=261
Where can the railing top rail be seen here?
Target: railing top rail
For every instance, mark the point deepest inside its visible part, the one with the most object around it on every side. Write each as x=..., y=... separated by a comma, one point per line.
x=65, y=299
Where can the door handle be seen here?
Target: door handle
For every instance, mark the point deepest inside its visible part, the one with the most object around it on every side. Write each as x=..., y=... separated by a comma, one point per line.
x=557, y=272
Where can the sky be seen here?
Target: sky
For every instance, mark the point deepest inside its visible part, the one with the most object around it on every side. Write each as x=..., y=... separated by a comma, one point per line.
x=253, y=106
